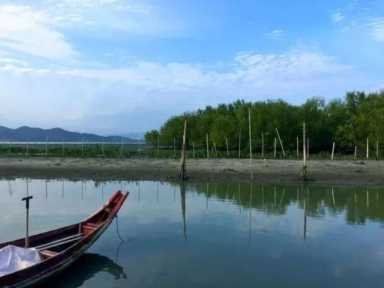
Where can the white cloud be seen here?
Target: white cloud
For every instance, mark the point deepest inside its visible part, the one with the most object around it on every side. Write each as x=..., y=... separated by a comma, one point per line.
x=337, y=17
x=275, y=34
x=377, y=29
x=30, y=31
x=140, y=96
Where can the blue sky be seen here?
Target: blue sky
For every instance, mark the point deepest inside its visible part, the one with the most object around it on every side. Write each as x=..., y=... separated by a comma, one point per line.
x=119, y=66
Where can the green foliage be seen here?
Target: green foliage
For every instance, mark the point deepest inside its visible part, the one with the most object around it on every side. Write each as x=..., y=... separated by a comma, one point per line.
x=348, y=122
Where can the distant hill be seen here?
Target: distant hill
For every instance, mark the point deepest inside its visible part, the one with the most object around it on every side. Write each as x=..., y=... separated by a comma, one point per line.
x=29, y=134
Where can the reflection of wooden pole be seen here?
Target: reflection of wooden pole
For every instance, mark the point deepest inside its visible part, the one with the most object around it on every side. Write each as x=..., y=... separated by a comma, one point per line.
x=250, y=133
x=281, y=142
x=183, y=209
x=305, y=216
x=183, y=153
x=333, y=151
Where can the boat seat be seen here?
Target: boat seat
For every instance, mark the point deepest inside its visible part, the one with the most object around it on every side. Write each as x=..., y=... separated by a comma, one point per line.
x=60, y=242
x=48, y=253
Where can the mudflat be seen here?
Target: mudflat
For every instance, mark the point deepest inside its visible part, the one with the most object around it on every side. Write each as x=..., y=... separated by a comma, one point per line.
x=262, y=171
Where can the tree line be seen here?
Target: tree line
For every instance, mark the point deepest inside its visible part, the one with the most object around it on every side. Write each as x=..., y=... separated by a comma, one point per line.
x=348, y=122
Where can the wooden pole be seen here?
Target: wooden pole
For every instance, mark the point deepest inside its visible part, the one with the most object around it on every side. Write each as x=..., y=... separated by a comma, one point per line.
x=262, y=145
x=207, y=138
x=274, y=148
x=281, y=142
x=46, y=146
x=215, y=148
x=158, y=145
x=377, y=149
x=240, y=144
x=250, y=134
x=307, y=148
x=183, y=153
x=355, y=153
x=367, y=149
x=121, y=147
x=174, y=146
x=333, y=151
x=297, y=147
x=193, y=149
x=304, y=153
x=227, y=144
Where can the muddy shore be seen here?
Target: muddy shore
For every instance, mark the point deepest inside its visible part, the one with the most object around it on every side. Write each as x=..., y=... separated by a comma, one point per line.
x=262, y=171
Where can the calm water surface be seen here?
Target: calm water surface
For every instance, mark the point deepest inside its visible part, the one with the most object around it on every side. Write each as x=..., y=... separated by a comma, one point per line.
x=212, y=235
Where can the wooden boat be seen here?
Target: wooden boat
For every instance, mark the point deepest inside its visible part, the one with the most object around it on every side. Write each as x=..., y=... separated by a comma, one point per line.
x=60, y=248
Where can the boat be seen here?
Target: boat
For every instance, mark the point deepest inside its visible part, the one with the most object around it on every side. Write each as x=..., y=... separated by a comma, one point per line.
x=59, y=248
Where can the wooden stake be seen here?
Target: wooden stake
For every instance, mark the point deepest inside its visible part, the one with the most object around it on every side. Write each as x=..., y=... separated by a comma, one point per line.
x=240, y=144
x=174, y=146
x=227, y=144
x=46, y=146
x=281, y=142
x=250, y=134
x=274, y=148
x=355, y=153
x=367, y=149
x=377, y=149
x=207, y=138
x=333, y=151
x=297, y=147
x=262, y=145
x=307, y=148
x=193, y=149
x=158, y=144
x=183, y=153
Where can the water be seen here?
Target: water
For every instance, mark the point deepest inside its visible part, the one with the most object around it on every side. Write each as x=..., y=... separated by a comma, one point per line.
x=212, y=235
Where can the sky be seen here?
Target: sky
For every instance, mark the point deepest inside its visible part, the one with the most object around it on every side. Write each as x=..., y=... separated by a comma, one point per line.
x=120, y=66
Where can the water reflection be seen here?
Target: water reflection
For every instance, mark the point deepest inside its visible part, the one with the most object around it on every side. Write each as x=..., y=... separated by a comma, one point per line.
x=86, y=268
x=229, y=234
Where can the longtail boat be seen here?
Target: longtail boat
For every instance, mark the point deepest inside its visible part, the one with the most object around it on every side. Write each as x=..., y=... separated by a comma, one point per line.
x=60, y=248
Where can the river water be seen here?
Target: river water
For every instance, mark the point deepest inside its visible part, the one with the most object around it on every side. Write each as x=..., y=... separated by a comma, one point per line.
x=211, y=234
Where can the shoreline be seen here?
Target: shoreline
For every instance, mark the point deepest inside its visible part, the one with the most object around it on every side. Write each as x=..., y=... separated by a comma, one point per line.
x=359, y=173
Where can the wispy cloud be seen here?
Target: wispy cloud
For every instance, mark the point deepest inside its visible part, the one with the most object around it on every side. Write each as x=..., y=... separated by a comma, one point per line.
x=376, y=27
x=32, y=32
x=337, y=17
x=275, y=34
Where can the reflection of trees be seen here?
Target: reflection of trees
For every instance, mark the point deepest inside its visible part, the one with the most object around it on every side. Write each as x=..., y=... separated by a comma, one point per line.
x=358, y=204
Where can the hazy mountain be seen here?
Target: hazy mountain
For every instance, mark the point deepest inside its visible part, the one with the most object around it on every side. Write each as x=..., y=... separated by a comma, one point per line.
x=29, y=134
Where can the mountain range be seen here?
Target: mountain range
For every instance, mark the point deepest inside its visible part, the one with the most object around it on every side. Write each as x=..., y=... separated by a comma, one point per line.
x=30, y=134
